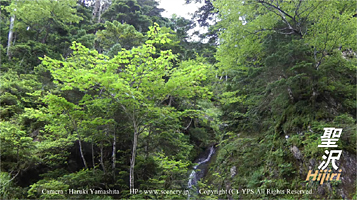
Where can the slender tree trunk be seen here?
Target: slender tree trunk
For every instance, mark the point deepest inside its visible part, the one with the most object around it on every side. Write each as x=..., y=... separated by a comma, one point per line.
x=81, y=151
x=147, y=147
x=101, y=156
x=11, y=34
x=93, y=163
x=96, y=9
x=100, y=11
x=45, y=38
x=79, y=142
x=133, y=154
x=114, y=153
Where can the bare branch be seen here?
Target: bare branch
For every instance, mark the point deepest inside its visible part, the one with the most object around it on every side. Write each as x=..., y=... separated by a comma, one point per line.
x=296, y=10
x=188, y=125
x=282, y=14
x=100, y=93
x=277, y=8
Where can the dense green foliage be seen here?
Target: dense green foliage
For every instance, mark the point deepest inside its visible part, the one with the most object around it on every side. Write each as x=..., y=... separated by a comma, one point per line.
x=291, y=68
x=109, y=95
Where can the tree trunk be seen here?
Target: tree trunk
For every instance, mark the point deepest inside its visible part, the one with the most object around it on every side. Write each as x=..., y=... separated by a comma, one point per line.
x=114, y=153
x=100, y=11
x=96, y=9
x=81, y=151
x=132, y=161
x=79, y=142
x=45, y=38
x=147, y=146
x=93, y=163
x=11, y=34
x=101, y=156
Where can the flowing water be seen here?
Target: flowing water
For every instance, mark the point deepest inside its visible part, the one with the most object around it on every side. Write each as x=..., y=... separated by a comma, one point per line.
x=196, y=176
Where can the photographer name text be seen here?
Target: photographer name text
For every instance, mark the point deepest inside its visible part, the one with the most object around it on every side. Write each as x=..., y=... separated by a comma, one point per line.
x=81, y=191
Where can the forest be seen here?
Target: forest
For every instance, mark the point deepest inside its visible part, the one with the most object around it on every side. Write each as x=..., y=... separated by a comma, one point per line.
x=108, y=99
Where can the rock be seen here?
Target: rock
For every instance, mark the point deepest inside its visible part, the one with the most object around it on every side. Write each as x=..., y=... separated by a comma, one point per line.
x=233, y=171
x=348, y=177
x=312, y=162
x=296, y=152
x=320, y=190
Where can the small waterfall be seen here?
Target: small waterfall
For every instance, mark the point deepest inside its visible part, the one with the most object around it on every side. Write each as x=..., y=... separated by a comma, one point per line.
x=194, y=177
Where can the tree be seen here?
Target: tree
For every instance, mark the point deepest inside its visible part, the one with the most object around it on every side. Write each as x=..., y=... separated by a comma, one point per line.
x=140, y=14
x=17, y=146
x=138, y=82
x=287, y=78
x=116, y=33
x=10, y=37
x=41, y=15
x=128, y=11
x=96, y=10
x=39, y=24
x=206, y=16
x=256, y=20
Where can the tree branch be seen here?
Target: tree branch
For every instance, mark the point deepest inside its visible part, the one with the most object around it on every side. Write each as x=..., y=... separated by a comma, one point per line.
x=188, y=125
x=296, y=10
x=281, y=11
x=3, y=185
x=282, y=14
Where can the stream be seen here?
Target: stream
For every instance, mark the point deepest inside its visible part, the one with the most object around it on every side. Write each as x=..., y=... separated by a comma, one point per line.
x=196, y=175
